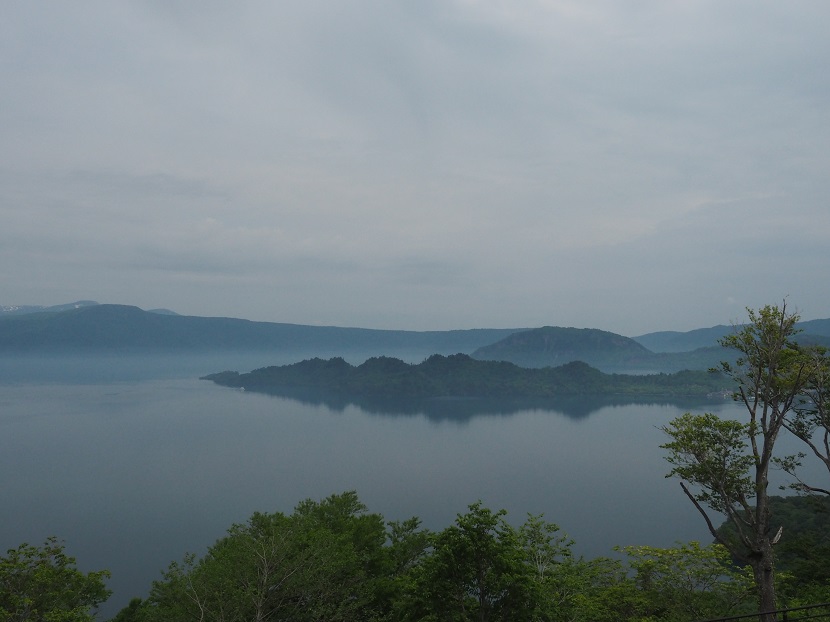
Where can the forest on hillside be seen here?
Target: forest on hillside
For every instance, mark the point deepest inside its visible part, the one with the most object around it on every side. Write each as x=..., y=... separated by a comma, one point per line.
x=459, y=375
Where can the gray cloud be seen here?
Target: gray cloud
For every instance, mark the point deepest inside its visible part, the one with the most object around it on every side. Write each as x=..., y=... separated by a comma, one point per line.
x=418, y=164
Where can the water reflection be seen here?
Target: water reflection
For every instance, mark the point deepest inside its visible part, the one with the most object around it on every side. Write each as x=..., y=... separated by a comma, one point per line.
x=134, y=474
x=463, y=409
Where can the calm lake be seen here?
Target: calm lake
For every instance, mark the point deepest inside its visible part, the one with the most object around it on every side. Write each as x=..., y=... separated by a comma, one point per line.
x=134, y=463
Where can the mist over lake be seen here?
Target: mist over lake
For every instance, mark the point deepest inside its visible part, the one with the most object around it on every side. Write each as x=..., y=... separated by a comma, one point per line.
x=134, y=462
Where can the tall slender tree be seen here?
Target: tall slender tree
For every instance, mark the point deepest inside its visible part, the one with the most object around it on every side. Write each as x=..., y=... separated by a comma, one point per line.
x=726, y=462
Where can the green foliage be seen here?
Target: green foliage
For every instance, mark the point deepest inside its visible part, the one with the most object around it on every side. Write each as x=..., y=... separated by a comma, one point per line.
x=476, y=571
x=689, y=582
x=728, y=462
x=43, y=583
x=597, y=590
x=547, y=553
x=481, y=568
x=133, y=612
x=333, y=560
x=544, y=546
x=713, y=454
x=804, y=549
x=803, y=552
x=770, y=370
x=323, y=562
x=796, y=594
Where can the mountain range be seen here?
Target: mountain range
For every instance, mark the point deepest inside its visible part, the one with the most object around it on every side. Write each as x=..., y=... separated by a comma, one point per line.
x=108, y=327
x=92, y=327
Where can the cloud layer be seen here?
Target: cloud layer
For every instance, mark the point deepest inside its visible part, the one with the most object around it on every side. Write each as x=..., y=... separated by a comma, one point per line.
x=419, y=164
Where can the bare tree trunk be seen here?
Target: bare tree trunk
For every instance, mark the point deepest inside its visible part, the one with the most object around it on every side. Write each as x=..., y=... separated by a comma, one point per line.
x=763, y=572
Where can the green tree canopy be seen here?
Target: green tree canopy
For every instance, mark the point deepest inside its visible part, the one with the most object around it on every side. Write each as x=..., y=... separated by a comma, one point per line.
x=689, y=581
x=476, y=571
x=43, y=583
x=327, y=561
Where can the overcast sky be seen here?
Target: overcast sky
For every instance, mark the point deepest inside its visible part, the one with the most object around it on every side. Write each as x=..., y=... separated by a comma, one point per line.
x=631, y=166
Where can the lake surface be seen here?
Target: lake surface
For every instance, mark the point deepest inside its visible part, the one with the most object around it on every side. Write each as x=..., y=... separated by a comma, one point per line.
x=133, y=468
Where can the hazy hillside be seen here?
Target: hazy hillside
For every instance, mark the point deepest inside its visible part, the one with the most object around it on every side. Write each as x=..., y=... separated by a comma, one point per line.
x=92, y=327
x=120, y=327
x=673, y=341
x=819, y=328
x=813, y=331
x=553, y=346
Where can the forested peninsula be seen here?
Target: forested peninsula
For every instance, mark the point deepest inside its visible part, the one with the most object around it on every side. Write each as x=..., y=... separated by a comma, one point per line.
x=459, y=375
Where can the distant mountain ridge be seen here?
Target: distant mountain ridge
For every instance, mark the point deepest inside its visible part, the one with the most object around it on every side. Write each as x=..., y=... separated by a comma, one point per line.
x=107, y=327
x=6, y=310
x=86, y=326
x=674, y=341
x=551, y=346
x=609, y=352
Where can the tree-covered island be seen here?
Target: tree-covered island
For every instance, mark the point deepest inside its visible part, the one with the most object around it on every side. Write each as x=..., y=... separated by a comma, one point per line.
x=460, y=375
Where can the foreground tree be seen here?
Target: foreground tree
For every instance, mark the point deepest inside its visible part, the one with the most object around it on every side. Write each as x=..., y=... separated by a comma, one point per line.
x=476, y=571
x=331, y=560
x=728, y=462
x=547, y=552
x=43, y=583
x=802, y=557
x=564, y=588
x=688, y=582
x=323, y=562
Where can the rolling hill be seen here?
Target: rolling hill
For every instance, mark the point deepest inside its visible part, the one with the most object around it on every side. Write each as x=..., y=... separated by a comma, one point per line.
x=553, y=346
x=86, y=326
x=609, y=352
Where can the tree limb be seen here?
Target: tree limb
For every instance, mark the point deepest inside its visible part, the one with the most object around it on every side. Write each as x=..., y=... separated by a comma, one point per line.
x=709, y=524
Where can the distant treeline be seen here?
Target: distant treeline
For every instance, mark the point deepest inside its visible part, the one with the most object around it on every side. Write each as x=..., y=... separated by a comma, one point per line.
x=460, y=375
